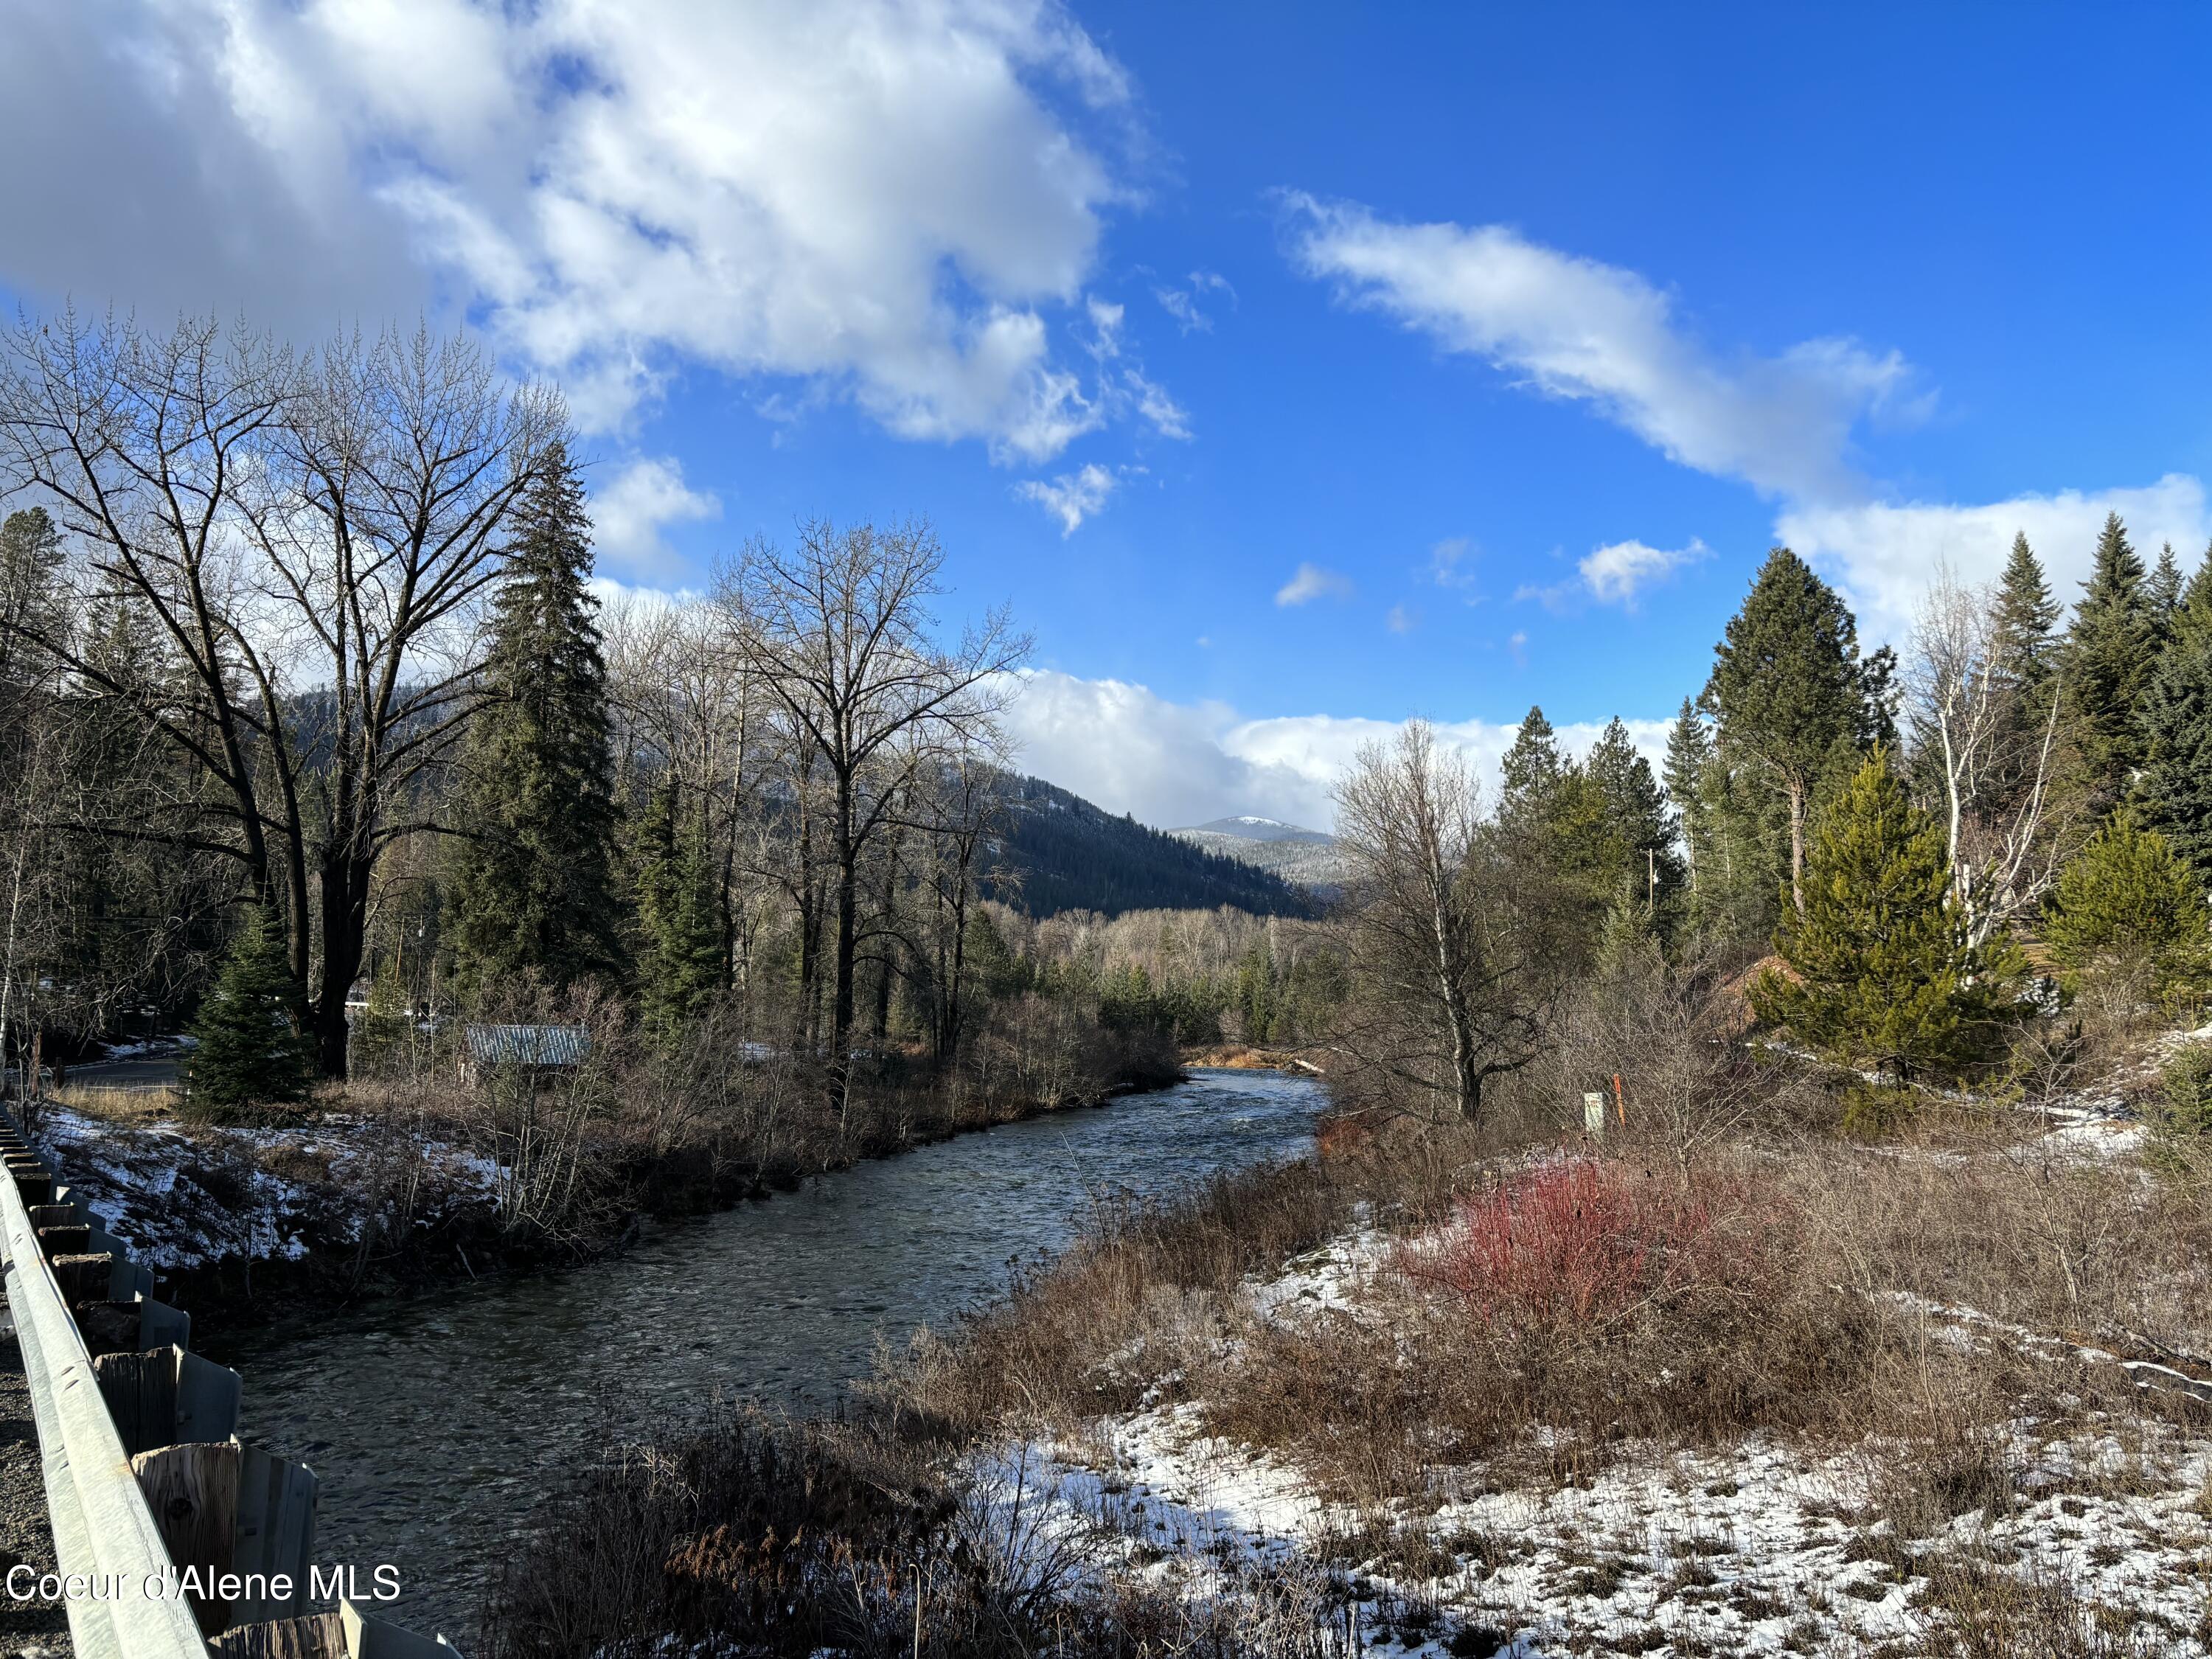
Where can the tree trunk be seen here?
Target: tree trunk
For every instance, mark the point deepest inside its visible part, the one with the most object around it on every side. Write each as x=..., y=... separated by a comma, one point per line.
x=345, y=927
x=1797, y=845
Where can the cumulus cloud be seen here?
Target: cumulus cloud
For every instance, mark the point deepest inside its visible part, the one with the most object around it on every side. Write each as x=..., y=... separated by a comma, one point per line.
x=1575, y=328
x=1072, y=497
x=1616, y=573
x=1883, y=553
x=629, y=510
x=1311, y=582
x=898, y=203
x=1170, y=764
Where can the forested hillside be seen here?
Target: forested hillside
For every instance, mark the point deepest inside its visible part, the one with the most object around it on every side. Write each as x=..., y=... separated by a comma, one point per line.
x=1058, y=852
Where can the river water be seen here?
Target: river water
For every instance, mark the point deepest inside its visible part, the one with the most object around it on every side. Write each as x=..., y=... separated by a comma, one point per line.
x=435, y=1423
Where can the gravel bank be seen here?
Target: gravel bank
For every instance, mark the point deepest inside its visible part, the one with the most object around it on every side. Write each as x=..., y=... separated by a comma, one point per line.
x=38, y=1630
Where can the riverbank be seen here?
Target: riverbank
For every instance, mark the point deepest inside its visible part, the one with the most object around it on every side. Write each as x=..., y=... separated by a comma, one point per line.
x=1722, y=1384
x=401, y=1186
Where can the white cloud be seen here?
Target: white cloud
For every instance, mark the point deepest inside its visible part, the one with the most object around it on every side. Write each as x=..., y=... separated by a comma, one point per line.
x=1884, y=554
x=1578, y=328
x=1180, y=305
x=1616, y=573
x=629, y=513
x=1131, y=750
x=1451, y=562
x=1400, y=620
x=1311, y=582
x=1072, y=497
x=902, y=203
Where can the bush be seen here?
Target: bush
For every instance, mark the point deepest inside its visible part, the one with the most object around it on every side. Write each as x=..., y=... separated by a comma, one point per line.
x=1585, y=1243
x=2129, y=923
x=2184, y=1084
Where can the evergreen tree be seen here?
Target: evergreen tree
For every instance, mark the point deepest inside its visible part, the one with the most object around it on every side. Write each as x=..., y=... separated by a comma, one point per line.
x=1882, y=976
x=1644, y=852
x=2026, y=616
x=1788, y=684
x=2162, y=591
x=380, y=1034
x=2129, y=915
x=1530, y=773
x=679, y=965
x=532, y=900
x=2110, y=652
x=2174, y=786
x=253, y=1045
x=2192, y=619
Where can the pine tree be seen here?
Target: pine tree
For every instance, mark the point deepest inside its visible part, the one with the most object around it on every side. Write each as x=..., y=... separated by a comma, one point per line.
x=532, y=899
x=679, y=967
x=2109, y=654
x=2129, y=916
x=254, y=1048
x=1529, y=774
x=2174, y=788
x=2192, y=619
x=2026, y=616
x=1645, y=852
x=1788, y=684
x=1883, y=975
x=2162, y=591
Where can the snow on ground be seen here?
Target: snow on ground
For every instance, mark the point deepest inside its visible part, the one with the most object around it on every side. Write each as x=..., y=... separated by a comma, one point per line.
x=183, y=1199
x=1757, y=1549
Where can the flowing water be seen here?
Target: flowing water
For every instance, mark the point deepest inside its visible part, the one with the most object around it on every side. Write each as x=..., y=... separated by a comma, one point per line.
x=434, y=1423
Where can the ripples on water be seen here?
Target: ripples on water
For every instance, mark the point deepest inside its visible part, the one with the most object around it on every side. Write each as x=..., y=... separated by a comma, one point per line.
x=435, y=1423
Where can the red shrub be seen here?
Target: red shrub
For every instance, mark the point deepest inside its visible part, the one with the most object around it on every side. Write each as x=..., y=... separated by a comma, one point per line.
x=1582, y=1243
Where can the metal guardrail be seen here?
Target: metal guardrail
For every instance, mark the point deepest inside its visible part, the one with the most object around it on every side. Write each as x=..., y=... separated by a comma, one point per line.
x=227, y=1507
x=103, y=1530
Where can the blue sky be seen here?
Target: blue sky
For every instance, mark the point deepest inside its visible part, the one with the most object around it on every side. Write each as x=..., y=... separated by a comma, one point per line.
x=1289, y=370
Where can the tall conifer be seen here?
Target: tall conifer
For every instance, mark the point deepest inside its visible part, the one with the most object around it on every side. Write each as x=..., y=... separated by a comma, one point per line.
x=2026, y=616
x=1788, y=684
x=2193, y=618
x=2175, y=783
x=532, y=895
x=2109, y=654
x=679, y=965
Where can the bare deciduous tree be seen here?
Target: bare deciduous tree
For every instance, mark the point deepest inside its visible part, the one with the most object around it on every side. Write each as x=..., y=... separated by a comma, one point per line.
x=1452, y=989
x=838, y=635
x=1992, y=743
x=312, y=538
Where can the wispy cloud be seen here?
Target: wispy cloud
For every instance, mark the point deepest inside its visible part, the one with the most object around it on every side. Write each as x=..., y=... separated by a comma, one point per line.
x=1311, y=582
x=1400, y=620
x=1575, y=328
x=1073, y=496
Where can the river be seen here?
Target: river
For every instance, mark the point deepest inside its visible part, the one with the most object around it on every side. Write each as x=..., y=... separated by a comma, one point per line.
x=435, y=1423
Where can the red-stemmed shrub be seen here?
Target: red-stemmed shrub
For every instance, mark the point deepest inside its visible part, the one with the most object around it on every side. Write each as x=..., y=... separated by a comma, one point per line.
x=1582, y=1243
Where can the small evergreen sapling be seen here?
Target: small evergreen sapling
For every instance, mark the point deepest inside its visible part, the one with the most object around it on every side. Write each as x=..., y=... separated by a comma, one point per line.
x=253, y=1046
x=1882, y=976
x=2129, y=920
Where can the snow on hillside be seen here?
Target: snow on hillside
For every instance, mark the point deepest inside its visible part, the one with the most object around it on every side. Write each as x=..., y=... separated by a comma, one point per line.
x=1306, y=857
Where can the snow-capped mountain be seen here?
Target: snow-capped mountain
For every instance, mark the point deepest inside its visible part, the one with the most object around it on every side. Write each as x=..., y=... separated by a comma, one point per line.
x=1307, y=857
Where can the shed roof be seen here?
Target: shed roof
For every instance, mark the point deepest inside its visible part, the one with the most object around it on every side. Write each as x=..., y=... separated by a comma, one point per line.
x=528, y=1045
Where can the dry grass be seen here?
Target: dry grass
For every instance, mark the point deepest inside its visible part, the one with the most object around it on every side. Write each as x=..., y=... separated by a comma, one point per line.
x=131, y=1107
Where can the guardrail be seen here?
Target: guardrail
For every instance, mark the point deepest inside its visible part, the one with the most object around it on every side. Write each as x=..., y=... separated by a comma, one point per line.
x=173, y=1538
